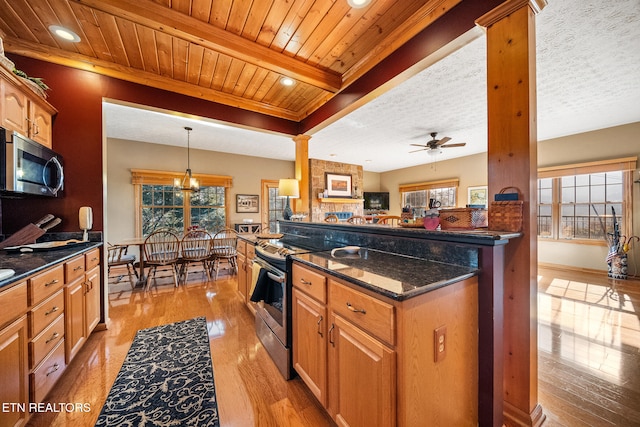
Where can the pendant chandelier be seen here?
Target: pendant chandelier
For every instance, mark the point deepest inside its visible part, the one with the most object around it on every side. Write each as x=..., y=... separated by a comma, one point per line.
x=188, y=182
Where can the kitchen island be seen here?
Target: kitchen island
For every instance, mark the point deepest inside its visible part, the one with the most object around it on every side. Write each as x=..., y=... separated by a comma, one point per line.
x=480, y=252
x=398, y=277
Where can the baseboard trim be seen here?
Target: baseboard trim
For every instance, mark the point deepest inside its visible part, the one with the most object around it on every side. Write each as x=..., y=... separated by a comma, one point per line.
x=514, y=417
x=593, y=271
x=571, y=268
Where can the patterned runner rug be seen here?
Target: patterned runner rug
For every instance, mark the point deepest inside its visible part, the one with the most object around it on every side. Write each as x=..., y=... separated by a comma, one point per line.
x=165, y=380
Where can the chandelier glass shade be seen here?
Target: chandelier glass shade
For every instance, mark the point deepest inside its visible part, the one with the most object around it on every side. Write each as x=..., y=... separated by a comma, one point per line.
x=188, y=182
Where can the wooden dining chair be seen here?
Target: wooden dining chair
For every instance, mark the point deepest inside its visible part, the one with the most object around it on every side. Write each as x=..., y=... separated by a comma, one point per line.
x=161, y=249
x=357, y=219
x=195, y=247
x=224, y=250
x=117, y=256
x=331, y=218
x=392, y=220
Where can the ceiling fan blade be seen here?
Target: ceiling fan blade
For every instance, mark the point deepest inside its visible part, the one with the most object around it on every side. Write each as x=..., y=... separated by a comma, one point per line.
x=422, y=149
x=443, y=140
x=460, y=144
x=419, y=145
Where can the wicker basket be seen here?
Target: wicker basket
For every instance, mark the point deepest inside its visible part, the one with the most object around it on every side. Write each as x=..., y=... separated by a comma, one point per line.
x=463, y=218
x=506, y=215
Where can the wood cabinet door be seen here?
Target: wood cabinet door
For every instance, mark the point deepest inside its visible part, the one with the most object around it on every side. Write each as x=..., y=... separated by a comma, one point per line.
x=92, y=300
x=249, y=277
x=242, y=276
x=362, y=377
x=14, y=372
x=310, y=343
x=41, y=125
x=74, y=318
x=14, y=111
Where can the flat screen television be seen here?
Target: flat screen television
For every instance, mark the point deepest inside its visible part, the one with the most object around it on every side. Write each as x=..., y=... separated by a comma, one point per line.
x=376, y=200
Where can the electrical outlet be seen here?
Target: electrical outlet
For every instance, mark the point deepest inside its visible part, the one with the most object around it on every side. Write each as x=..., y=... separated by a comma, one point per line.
x=440, y=343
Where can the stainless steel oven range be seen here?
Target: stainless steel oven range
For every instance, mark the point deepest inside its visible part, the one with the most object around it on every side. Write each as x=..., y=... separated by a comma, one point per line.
x=272, y=293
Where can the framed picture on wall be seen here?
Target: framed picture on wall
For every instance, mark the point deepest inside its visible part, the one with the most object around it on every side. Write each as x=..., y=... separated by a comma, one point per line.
x=338, y=185
x=477, y=196
x=247, y=203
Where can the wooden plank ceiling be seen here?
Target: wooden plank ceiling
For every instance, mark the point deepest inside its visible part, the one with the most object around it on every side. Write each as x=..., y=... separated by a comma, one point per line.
x=233, y=52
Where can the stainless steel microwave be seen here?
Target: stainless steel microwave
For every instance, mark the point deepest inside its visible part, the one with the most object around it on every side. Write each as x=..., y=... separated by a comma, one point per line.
x=27, y=167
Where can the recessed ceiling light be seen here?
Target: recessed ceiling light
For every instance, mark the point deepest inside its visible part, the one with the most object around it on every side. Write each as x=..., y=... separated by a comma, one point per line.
x=64, y=33
x=332, y=155
x=368, y=161
x=357, y=4
x=287, y=81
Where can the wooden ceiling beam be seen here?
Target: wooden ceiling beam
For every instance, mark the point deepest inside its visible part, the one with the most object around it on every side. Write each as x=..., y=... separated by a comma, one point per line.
x=75, y=60
x=165, y=20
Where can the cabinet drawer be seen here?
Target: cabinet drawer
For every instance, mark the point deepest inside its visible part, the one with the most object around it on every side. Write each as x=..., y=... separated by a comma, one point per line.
x=74, y=269
x=92, y=258
x=251, y=251
x=45, y=284
x=46, y=312
x=312, y=283
x=45, y=341
x=45, y=376
x=372, y=315
x=13, y=302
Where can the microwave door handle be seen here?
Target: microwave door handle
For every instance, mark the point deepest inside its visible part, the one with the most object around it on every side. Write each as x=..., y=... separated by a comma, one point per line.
x=56, y=162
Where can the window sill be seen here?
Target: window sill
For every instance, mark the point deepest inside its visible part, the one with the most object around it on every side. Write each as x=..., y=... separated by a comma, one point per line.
x=590, y=242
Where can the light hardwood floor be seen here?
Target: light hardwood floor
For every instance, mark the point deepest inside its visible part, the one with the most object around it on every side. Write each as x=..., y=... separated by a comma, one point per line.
x=249, y=388
x=589, y=358
x=588, y=349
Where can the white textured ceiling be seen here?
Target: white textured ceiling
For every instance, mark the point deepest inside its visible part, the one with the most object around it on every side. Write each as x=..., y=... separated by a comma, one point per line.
x=588, y=78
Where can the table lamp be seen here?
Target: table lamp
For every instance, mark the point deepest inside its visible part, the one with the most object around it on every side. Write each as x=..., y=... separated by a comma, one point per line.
x=289, y=188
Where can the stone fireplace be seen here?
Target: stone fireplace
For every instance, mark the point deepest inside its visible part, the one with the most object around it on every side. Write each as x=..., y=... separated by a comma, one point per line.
x=319, y=207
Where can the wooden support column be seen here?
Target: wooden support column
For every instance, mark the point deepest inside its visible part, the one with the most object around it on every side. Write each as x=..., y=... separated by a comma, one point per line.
x=302, y=173
x=512, y=161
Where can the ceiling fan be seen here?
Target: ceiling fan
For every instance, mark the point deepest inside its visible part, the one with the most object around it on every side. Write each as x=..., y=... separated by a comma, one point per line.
x=434, y=145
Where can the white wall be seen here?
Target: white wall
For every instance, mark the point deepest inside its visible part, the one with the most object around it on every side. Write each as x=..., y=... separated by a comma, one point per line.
x=470, y=170
x=616, y=142
x=122, y=156
x=611, y=143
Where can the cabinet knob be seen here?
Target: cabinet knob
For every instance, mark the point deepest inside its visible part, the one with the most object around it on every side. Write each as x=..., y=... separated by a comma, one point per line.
x=356, y=310
x=53, y=337
x=53, y=282
x=53, y=310
x=333, y=343
x=319, y=328
x=54, y=369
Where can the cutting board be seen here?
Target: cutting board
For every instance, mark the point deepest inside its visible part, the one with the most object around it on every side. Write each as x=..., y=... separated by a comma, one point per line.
x=44, y=246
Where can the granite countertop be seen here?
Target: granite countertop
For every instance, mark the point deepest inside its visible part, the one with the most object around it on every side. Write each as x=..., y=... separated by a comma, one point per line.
x=395, y=276
x=28, y=263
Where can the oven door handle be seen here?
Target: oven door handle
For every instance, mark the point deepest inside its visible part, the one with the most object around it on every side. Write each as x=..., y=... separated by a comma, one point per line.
x=279, y=279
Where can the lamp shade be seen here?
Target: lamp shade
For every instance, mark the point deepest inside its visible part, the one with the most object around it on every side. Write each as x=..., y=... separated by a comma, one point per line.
x=288, y=187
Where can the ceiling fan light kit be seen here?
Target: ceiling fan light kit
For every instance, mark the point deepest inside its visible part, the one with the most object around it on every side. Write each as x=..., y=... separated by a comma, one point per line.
x=433, y=147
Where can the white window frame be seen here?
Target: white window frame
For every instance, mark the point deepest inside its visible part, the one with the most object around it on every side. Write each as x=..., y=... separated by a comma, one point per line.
x=625, y=165
x=140, y=177
x=432, y=186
